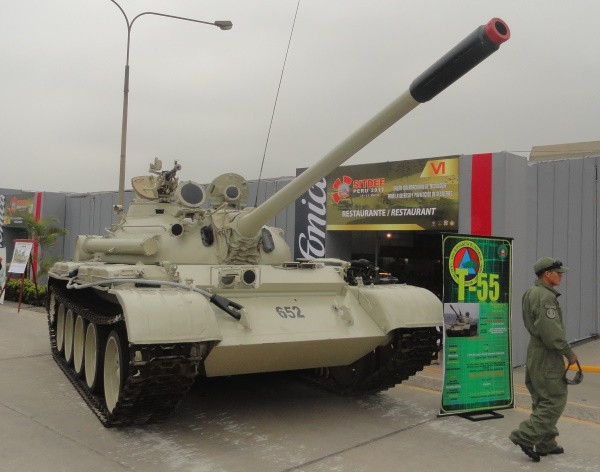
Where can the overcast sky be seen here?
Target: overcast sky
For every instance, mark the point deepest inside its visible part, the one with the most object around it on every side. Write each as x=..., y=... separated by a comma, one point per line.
x=205, y=96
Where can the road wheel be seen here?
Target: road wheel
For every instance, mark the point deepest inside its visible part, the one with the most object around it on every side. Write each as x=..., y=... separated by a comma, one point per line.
x=115, y=368
x=60, y=328
x=93, y=356
x=78, y=345
x=69, y=322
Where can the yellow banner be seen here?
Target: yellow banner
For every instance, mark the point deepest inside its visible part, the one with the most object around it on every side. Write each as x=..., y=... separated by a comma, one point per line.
x=410, y=195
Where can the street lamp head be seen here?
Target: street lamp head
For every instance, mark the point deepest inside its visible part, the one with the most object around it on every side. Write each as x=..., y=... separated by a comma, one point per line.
x=224, y=25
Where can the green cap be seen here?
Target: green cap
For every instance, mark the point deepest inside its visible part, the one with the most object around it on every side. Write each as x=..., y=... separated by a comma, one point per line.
x=547, y=263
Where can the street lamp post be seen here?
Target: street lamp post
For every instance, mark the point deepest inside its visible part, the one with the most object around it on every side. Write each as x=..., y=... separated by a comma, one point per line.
x=223, y=25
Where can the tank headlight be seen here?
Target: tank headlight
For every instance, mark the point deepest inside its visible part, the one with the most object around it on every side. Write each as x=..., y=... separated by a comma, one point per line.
x=249, y=277
x=176, y=229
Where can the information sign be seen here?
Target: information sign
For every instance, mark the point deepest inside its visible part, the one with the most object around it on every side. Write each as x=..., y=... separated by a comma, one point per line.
x=477, y=330
x=21, y=256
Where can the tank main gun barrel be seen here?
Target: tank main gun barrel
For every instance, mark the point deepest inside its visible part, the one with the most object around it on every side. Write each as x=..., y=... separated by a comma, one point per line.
x=472, y=50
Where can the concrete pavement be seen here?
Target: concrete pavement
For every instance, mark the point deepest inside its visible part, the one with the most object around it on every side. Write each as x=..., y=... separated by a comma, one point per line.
x=269, y=423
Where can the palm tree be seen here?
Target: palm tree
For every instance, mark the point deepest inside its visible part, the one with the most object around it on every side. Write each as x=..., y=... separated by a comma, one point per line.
x=46, y=233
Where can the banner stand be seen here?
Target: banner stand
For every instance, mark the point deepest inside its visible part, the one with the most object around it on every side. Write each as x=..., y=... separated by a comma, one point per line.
x=481, y=415
x=477, y=326
x=21, y=262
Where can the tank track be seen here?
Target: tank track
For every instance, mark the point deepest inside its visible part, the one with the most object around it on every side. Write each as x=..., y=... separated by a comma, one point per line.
x=410, y=350
x=158, y=375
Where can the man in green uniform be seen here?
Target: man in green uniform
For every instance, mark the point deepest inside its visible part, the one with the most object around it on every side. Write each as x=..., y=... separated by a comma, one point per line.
x=543, y=319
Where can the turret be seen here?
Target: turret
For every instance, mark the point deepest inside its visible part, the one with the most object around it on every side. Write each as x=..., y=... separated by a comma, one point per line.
x=167, y=222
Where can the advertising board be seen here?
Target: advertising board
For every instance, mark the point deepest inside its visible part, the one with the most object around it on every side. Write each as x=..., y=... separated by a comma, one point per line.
x=477, y=324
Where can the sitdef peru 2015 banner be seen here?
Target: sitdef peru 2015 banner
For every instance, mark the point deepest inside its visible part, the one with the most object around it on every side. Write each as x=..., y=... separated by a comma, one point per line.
x=413, y=195
x=477, y=330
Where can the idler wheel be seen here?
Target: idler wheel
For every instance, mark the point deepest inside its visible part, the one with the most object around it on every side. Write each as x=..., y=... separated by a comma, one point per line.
x=78, y=345
x=115, y=368
x=60, y=328
x=69, y=321
x=93, y=357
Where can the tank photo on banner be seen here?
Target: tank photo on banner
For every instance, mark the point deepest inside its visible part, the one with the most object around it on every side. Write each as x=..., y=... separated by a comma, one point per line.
x=477, y=329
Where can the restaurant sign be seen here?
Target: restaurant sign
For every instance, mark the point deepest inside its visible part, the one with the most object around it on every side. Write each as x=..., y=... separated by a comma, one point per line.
x=410, y=195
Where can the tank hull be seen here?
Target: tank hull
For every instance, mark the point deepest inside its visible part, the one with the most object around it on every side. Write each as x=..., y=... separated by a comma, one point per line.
x=301, y=318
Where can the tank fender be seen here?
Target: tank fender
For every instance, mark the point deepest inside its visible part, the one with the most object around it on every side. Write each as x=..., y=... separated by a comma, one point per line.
x=400, y=306
x=159, y=315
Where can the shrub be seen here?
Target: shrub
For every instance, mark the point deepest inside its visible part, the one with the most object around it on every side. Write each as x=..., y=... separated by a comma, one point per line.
x=13, y=287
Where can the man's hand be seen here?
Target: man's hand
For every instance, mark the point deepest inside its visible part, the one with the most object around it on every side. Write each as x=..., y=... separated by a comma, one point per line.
x=573, y=359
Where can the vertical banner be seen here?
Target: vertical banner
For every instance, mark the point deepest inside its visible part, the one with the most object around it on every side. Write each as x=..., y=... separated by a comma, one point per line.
x=477, y=330
x=311, y=221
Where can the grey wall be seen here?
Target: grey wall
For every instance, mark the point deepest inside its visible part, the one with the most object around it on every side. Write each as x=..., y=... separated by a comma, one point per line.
x=464, y=194
x=53, y=206
x=549, y=209
x=89, y=213
x=509, y=219
x=563, y=204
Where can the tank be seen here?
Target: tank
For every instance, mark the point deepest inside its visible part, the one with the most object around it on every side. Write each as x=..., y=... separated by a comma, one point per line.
x=188, y=282
x=463, y=326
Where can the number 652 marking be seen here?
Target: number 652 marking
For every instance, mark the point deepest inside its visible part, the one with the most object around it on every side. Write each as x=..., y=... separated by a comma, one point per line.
x=289, y=311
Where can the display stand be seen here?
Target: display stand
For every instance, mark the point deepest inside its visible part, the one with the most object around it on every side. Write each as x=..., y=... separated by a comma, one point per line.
x=481, y=415
x=20, y=263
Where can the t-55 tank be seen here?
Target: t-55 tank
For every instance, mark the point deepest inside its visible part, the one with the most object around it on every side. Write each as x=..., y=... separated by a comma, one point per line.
x=189, y=282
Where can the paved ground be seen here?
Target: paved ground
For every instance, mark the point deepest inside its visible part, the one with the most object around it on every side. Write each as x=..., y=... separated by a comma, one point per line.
x=268, y=423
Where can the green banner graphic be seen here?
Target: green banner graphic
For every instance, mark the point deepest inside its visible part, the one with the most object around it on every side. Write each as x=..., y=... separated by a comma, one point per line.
x=477, y=330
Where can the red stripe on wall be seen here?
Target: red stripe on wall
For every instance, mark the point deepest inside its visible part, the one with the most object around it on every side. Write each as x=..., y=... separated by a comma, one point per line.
x=481, y=194
x=38, y=206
